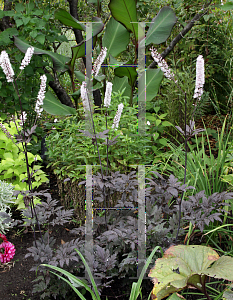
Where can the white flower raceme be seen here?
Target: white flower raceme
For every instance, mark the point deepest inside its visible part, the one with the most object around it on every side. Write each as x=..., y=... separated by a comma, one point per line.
x=27, y=58
x=108, y=92
x=99, y=61
x=6, y=66
x=23, y=118
x=148, y=123
x=200, y=77
x=84, y=96
x=41, y=95
x=162, y=63
x=117, y=116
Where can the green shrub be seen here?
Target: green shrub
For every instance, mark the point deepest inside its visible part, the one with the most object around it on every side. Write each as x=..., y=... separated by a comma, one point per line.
x=13, y=165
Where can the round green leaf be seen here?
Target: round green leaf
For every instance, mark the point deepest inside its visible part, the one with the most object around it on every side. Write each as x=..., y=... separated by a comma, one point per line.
x=181, y=266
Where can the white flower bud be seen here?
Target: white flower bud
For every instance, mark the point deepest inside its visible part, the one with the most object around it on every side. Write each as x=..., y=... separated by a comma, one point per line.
x=99, y=61
x=200, y=77
x=6, y=66
x=117, y=116
x=27, y=58
x=108, y=92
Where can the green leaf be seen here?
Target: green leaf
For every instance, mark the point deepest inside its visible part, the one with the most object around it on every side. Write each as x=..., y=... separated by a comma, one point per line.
x=176, y=296
x=19, y=7
x=54, y=107
x=118, y=84
x=227, y=6
x=25, y=20
x=222, y=268
x=153, y=80
x=115, y=62
x=80, y=76
x=181, y=266
x=41, y=38
x=33, y=33
x=6, y=35
x=128, y=71
x=65, y=18
x=228, y=295
x=59, y=61
x=161, y=26
x=116, y=37
x=125, y=12
x=19, y=22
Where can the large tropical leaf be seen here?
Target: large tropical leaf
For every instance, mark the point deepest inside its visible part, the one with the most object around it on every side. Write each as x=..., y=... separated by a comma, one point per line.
x=116, y=37
x=161, y=26
x=128, y=71
x=153, y=80
x=65, y=18
x=59, y=61
x=119, y=84
x=125, y=12
x=181, y=266
x=55, y=107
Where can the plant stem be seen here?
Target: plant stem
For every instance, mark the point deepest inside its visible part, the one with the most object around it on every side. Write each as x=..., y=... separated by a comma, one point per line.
x=24, y=144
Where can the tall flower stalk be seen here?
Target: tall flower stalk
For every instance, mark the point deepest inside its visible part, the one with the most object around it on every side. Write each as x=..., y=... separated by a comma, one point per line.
x=10, y=76
x=107, y=102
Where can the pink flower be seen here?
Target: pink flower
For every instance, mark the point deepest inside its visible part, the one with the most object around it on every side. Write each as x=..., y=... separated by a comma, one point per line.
x=2, y=238
x=7, y=252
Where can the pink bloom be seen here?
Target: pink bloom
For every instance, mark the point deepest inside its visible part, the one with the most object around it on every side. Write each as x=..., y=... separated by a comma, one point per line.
x=2, y=238
x=7, y=252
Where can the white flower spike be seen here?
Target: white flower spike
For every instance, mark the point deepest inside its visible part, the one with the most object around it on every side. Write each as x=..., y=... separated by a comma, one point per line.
x=22, y=118
x=6, y=66
x=117, y=116
x=84, y=97
x=108, y=92
x=27, y=58
x=162, y=64
x=200, y=77
x=99, y=61
x=41, y=95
